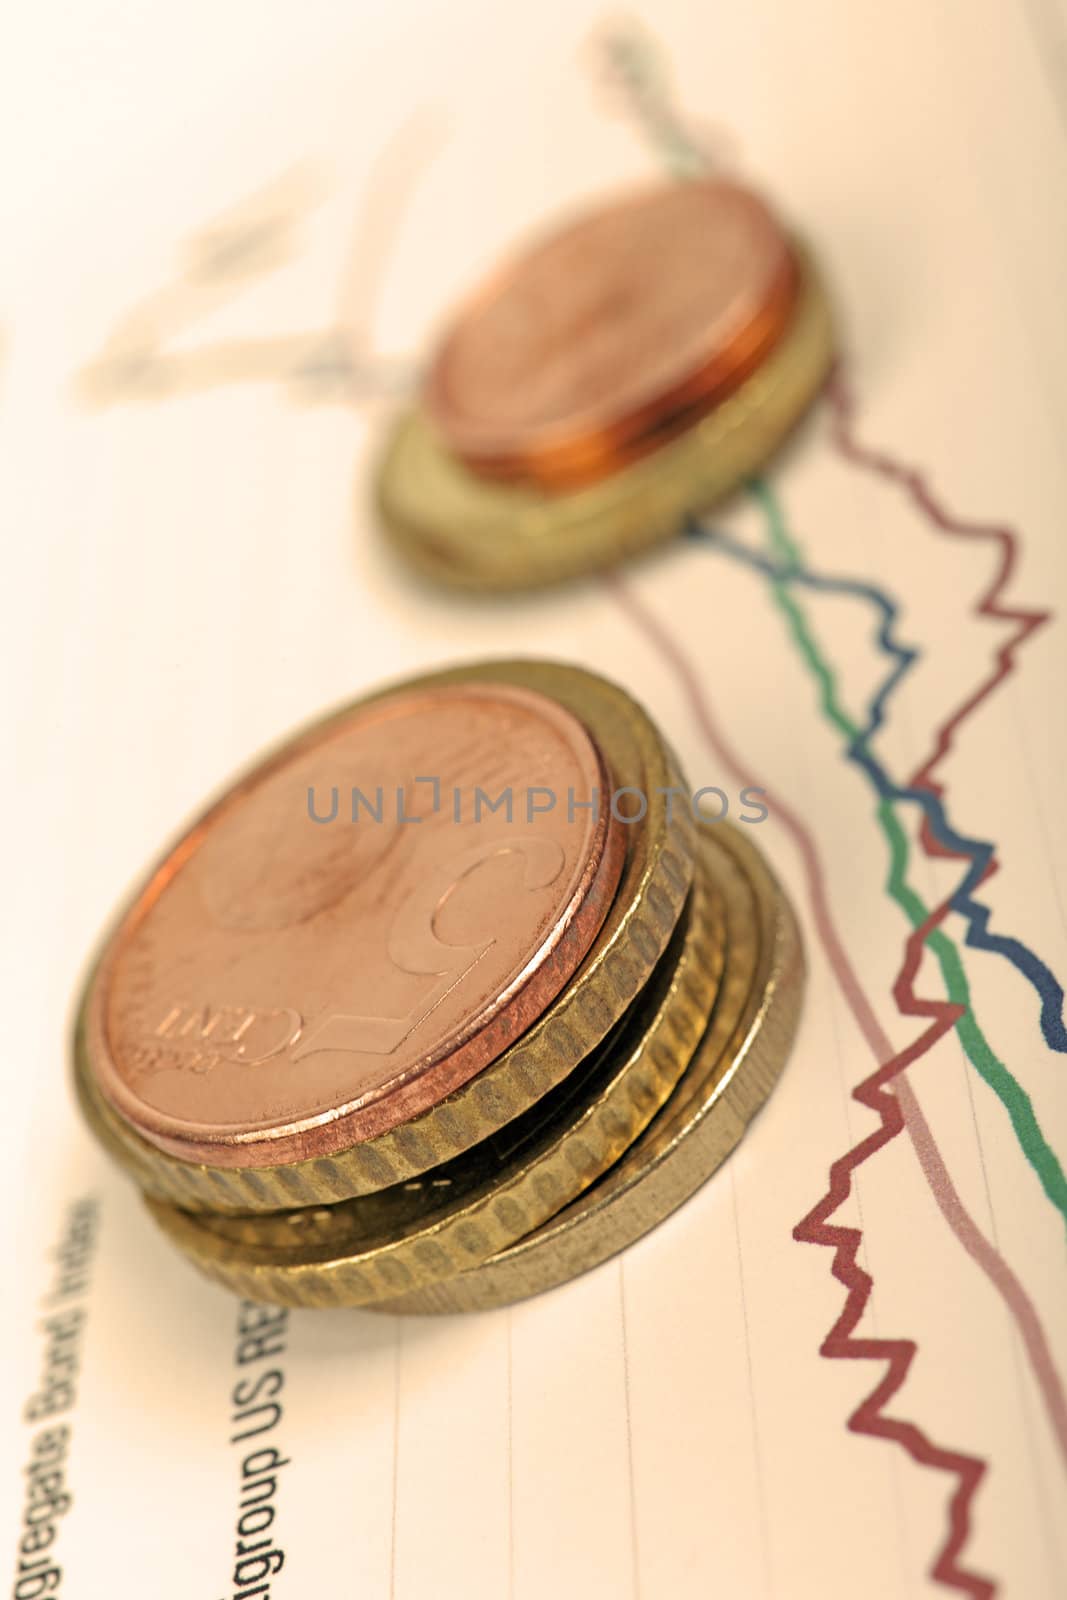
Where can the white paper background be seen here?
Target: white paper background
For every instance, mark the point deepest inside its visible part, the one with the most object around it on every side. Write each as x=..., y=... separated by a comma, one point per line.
x=189, y=576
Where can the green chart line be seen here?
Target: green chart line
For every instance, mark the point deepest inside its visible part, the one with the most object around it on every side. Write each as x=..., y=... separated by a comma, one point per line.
x=1014, y=1098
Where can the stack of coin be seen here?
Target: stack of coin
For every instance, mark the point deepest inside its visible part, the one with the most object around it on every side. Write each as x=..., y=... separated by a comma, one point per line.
x=447, y=1000
x=626, y=371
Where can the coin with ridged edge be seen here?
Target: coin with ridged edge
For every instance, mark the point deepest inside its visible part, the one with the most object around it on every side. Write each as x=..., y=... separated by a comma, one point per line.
x=362, y=1250
x=655, y=880
x=463, y=531
x=732, y=1072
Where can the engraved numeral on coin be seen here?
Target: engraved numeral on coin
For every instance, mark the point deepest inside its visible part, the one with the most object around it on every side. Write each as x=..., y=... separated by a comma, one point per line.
x=415, y=947
x=229, y=1033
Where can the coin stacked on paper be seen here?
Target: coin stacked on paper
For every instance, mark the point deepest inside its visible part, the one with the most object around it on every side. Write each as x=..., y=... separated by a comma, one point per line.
x=447, y=1000
x=626, y=371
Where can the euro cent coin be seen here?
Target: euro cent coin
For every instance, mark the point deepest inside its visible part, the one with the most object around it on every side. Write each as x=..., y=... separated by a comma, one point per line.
x=357, y=927
x=613, y=333
x=643, y=914
x=466, y=530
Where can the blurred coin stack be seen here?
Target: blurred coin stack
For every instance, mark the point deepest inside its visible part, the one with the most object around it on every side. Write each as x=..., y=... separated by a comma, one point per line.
x=446, y=1001
x=620, y=374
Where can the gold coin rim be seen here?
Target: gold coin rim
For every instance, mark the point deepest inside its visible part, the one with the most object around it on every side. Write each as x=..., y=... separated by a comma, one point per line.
x=726, y=1084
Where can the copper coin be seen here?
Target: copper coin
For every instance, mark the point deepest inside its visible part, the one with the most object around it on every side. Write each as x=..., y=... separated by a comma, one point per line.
x=613, y=334
x=284, y=987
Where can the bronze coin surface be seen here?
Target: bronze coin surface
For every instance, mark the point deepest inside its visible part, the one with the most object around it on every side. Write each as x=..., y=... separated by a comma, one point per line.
x=612, y=334
x=290, y=981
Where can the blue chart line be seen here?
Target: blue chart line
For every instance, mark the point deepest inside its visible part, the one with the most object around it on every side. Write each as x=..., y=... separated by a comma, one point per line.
x=979, y=852
x=904, y=655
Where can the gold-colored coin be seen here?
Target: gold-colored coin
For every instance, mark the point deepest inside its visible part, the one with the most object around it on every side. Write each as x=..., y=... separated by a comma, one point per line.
x=655, y=880
x=465, y=531
x=729, y=1078
x=363, y=1250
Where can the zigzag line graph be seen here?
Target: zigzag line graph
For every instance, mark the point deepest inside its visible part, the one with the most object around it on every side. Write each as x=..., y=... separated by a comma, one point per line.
x=967, y=1471
x=897, y=1110
x=637, y=68
x=938, y=838
x=783, y=574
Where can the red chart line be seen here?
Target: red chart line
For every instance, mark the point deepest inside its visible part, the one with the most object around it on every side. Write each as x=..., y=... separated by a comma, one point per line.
x=930, y=506
x=933, y=510
x=896, y=1111
x=937, y=515
x=902, y=1108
